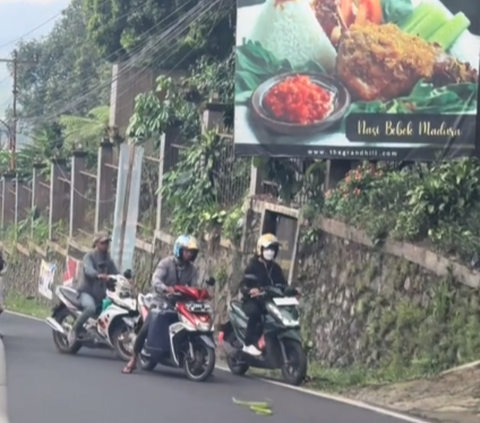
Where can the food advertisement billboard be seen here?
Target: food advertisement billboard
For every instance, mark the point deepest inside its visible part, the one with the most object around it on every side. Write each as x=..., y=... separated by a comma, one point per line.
x=356, y=79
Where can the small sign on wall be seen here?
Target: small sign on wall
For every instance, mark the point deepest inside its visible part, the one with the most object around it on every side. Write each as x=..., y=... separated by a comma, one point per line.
x=285, y=226
x=71, y=272
x=45, y=280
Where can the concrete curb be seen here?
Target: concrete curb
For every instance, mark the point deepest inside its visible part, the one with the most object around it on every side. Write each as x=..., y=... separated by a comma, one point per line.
x=3, y=385
x=462, y=367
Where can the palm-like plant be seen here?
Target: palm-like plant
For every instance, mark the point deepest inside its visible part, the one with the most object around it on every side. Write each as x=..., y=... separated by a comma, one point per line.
x=85, y=132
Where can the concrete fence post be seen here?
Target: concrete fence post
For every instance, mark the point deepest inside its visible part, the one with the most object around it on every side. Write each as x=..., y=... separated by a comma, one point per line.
x=8, y=194
x=105, y=176
x=57, y=195
x=78, y=188
x=169, y=151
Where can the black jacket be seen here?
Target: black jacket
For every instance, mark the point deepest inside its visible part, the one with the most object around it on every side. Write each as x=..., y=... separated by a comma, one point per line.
x=267, y=274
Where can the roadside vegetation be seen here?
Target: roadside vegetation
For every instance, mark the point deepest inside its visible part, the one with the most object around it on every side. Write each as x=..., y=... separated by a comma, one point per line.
x=26, y=305
x=437, y=205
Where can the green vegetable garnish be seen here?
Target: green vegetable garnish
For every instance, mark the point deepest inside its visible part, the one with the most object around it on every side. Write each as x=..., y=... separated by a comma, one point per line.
x=448, y=33
x=396, y=11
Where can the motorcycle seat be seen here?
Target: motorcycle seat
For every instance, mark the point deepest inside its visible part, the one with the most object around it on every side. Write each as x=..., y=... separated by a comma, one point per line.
x=71, y=295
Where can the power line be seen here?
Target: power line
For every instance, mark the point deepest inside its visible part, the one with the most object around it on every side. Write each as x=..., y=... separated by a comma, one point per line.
x=172, y=33
x=166, y=59
x=136, y=55
x=31, y=31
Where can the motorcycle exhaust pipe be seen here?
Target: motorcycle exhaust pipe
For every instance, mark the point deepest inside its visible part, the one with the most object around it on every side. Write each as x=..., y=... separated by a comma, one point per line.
x=54, y=325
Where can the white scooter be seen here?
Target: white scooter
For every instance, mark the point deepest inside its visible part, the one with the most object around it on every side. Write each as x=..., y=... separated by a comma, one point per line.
x=113, y=327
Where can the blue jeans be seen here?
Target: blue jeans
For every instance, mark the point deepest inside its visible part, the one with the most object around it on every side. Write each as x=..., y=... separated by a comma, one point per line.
x=89, y=309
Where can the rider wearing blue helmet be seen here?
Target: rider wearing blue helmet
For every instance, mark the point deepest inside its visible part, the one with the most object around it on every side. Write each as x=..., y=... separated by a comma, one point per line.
x=177, y=269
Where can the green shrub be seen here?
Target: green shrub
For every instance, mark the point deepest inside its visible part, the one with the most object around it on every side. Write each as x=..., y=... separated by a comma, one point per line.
x=437, y=204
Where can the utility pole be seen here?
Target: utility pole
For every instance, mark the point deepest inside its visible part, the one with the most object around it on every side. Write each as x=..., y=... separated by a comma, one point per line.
x=13, y=127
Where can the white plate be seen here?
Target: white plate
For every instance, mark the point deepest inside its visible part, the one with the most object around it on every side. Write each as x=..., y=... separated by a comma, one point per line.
x=290, y=301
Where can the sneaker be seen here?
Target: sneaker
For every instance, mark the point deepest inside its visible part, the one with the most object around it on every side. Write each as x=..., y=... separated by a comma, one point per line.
x=251, y=350
x=72, y=338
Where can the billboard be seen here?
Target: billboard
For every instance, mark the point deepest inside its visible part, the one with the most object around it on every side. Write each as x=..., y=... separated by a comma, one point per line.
x=356, y=79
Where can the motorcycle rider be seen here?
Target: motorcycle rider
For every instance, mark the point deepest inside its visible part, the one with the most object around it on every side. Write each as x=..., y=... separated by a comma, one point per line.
x=262, y=270
x=177, y=269
x=97, y=265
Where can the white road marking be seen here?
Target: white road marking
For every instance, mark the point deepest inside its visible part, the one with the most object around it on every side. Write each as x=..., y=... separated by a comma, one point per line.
x=3, y=386
x=342, y=400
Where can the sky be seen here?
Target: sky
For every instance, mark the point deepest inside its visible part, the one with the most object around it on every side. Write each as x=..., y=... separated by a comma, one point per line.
x=16, y=25
x=40, y=2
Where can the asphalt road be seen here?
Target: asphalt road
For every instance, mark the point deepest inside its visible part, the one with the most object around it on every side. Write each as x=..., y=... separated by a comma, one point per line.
x=45, y=386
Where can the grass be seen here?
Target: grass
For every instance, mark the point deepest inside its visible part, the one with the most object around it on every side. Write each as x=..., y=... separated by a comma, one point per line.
x=338, y=380
x=26, y=305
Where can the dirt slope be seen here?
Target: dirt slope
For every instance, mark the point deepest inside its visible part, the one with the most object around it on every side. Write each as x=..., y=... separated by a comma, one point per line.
x=453, y=397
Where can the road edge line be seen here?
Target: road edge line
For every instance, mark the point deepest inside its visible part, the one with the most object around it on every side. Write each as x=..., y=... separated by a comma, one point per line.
x=3, y=385
x=339, y=399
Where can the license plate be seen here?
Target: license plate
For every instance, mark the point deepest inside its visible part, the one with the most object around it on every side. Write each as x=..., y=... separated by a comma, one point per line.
x=198, y=307
x=290, y=301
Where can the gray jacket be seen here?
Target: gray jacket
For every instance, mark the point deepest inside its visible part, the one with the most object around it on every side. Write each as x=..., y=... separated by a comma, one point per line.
x=95, y=263
x=169, y=272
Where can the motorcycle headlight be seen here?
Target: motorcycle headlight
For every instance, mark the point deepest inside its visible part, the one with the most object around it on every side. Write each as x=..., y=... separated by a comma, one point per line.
x=284, y=318
x=199, y=325
x=205, y=326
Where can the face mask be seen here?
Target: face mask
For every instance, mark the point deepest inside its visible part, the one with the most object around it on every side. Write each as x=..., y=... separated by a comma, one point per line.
x=268, y=255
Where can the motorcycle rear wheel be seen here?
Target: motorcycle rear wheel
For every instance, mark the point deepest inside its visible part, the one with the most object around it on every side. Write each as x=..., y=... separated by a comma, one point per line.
x=189, y=365
x=60, y=340
x=294, y=374
x=237, y=367
x=119, y=341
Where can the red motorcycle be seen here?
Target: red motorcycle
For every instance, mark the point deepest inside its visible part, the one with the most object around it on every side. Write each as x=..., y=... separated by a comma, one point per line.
x=180, y=334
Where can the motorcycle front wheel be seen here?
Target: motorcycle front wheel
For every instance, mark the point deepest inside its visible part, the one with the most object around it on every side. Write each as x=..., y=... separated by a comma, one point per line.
x=295, y=370
x=60, y=340
x=201, y=367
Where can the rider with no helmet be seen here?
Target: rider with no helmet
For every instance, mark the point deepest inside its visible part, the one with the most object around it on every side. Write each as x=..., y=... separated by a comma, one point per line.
x=177, y=269
x=266, y=272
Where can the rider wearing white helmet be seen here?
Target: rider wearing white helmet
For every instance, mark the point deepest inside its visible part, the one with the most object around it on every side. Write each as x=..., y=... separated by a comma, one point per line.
x=262, y=270
x=177, y=269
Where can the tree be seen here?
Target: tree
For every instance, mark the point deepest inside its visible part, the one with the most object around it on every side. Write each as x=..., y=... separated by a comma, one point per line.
x=120, y=27
x=70, y=77
x=85, y=132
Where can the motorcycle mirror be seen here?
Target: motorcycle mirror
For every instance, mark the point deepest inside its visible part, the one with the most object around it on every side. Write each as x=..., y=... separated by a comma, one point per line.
x=128, y=274
x=210, y=281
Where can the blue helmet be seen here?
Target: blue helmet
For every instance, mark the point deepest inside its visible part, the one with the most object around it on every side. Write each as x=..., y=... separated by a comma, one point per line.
x=188, y=242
